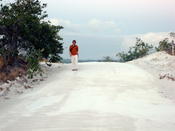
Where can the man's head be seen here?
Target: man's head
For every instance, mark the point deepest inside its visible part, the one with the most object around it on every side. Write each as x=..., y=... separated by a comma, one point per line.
x=74, y=42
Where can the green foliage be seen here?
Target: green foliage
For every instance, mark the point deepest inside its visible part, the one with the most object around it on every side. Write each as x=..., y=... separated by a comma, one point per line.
x=164, y=45
x=139, y=50
x=49, y=40
x=107, y=59
x=172, y=34
x=33, y=63
x=23, y=28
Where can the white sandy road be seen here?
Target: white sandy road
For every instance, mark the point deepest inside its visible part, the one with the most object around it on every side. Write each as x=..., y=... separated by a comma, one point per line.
x=99, y=97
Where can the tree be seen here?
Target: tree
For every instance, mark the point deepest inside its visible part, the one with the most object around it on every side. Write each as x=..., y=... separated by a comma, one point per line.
x=139, y=50
x=172, y=34
x=164, y=45
x=25, y=32
x=107, y=59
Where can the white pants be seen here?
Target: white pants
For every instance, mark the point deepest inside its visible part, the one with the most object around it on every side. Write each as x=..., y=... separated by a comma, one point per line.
x=74, y=60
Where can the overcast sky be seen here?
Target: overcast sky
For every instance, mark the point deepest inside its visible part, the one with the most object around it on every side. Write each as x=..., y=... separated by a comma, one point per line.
x=105, y=27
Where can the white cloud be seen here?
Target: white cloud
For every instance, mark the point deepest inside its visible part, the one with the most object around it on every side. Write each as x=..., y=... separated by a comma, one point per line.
x=55, y=21
x=68, y=25
x=92, y=27
x=154, y=38
x=99, y=25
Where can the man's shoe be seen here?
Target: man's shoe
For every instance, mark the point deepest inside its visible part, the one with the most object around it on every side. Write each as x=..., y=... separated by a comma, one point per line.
x=74, y=69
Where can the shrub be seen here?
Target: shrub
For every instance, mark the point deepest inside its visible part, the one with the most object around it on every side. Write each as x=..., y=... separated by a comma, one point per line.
x=164, y=45
x=139, y=50
x=107, y=59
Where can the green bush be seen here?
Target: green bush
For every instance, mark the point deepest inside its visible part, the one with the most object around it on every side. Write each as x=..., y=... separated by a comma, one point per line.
x=33, y=64
x=139, y=50
x=164, y=45
x=107, y=59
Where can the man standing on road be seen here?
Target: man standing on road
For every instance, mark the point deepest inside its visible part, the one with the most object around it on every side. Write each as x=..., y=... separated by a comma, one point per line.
x=73, y=50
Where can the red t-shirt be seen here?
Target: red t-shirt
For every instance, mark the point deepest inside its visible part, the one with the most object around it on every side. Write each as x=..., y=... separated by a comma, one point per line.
x=73, y=49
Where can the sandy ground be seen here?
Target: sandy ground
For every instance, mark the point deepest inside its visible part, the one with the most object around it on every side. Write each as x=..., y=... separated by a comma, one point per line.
x=99, y=97
x=160, y=64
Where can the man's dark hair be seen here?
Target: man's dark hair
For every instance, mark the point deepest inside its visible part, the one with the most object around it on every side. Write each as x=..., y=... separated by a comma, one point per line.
x=74, y=41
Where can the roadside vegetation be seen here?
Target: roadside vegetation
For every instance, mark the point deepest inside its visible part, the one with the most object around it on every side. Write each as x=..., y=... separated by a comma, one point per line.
x=26, y=38
x=141, y=49
x=166, y=44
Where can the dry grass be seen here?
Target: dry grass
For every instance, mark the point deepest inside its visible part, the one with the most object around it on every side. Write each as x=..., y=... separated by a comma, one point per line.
x=10, y=72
